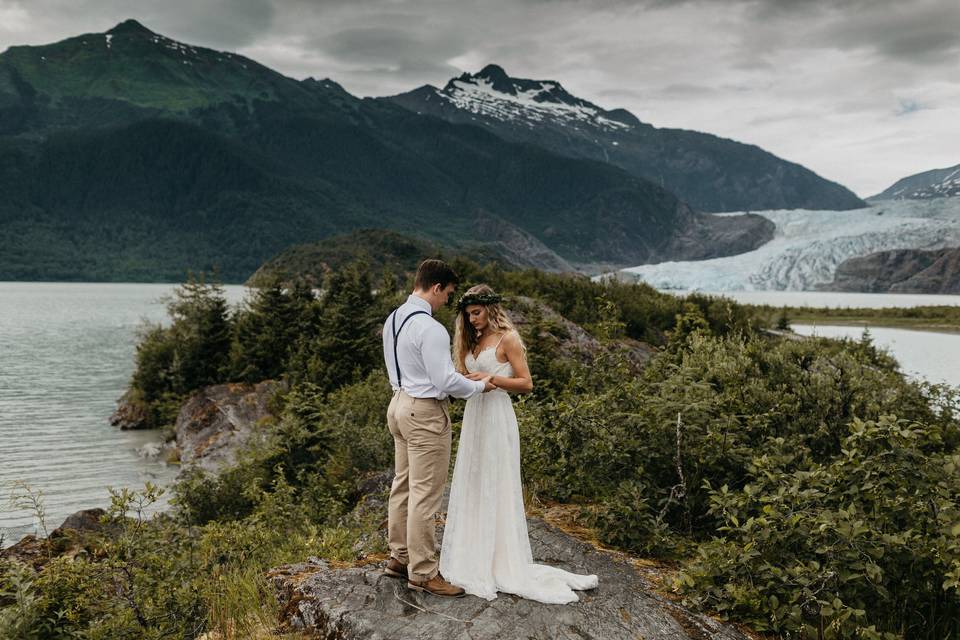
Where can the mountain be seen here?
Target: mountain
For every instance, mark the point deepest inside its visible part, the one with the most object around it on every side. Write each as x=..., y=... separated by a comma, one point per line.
x=903, y=271
x=708, y=172
x=127, y=155
x=937, y=183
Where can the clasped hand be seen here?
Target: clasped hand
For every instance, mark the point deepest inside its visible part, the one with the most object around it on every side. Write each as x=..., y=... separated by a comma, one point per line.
x=483, y=377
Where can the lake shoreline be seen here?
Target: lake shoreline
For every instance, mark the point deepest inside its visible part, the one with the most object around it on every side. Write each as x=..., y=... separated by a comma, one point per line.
x=868, y=323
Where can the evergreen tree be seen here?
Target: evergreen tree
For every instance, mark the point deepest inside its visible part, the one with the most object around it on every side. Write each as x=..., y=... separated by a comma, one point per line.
x=265, y=332
x=346, y=346
x=201, y=334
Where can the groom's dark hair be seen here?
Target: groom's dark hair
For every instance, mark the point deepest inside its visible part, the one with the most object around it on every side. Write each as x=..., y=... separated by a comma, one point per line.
x=431, y=272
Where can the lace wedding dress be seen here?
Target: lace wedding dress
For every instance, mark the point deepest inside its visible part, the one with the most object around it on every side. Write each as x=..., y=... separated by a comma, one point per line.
x=485, y=543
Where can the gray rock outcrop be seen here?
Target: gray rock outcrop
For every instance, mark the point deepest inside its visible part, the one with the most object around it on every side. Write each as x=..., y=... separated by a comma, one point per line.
x=215, y=422
x=69, y=539
x=516, y=246
x=130, y=413
x=572, y=340
x=710, y=236
x=362, y=603
x=901, y=271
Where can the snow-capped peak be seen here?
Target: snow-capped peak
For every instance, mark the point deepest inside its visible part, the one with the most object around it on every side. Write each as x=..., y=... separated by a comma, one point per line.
x=493, y=93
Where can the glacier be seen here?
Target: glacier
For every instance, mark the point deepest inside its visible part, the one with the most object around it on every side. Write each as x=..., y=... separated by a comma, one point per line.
x=808, y=246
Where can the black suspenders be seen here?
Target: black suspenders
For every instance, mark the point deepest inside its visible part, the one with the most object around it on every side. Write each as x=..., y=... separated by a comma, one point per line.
x=396, y=334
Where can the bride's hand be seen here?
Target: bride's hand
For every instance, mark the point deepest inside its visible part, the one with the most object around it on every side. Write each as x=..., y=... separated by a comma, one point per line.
x=477, y=375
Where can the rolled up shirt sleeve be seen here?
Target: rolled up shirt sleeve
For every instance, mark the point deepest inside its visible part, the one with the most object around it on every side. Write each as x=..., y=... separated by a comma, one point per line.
x=435, y=349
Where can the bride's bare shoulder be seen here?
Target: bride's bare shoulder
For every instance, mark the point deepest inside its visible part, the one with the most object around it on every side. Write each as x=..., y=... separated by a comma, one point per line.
x=511, y=339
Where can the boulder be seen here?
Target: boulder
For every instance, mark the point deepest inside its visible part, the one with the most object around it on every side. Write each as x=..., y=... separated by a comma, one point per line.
x=572, y=340
x=130, y=413
x=217, y=421
x=85, y=521
x=77, y=535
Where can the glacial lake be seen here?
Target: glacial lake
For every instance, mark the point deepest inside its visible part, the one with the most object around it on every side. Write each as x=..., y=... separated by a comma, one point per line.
x=66, y=355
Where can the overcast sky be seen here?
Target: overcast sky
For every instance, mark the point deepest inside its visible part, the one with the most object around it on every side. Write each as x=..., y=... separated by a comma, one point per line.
x=862, y=92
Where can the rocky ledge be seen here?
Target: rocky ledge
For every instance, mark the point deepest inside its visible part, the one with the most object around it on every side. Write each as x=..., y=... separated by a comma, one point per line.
x=130, y=413
x=215, y=422
x=360, y=602
x=70, y=539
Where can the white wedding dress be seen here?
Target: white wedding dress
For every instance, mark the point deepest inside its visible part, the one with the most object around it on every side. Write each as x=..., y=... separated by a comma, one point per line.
x=485, y=543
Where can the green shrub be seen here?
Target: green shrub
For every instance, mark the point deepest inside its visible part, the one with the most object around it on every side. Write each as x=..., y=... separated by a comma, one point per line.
x=863, y=541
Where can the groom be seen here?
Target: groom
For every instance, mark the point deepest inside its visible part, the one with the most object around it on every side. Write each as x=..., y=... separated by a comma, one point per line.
x=416, y=350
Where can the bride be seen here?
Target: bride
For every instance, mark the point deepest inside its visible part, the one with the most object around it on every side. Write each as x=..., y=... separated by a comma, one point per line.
x=485, y=544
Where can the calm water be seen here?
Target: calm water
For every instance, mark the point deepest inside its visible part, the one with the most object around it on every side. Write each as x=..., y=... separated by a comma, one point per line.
x=929, y=355
x=66, y=355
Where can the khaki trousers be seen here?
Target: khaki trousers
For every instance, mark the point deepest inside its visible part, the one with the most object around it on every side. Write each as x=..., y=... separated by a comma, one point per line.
x=421, y=437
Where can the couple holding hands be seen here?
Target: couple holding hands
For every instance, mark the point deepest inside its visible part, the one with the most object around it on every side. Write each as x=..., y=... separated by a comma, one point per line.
x=486, y=548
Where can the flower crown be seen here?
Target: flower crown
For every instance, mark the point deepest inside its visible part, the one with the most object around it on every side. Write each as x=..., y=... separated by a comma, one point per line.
x=478, y=298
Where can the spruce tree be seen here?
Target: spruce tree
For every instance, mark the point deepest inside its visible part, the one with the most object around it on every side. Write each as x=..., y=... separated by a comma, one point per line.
x=346, y=346
x=200, y=333
x=265, y=332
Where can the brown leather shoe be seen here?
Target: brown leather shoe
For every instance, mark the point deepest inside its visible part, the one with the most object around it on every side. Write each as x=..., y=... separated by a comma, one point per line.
x=396, y=569
x=437, y=586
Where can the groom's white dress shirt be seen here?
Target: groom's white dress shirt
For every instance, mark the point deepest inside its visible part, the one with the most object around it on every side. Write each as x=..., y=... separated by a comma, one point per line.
x=423, y=352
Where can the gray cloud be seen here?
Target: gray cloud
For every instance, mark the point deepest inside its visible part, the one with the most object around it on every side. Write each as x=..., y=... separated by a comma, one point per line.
x=919, y=32
x=684, y=90
x=218, y=23
x=411, y=52
x=212, y=23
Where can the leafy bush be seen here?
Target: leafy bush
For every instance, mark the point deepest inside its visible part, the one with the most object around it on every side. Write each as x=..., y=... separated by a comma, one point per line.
x=862, y=545
x=777, y=468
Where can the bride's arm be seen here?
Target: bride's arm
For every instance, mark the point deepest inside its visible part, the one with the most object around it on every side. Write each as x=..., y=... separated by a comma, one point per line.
x=521, y=382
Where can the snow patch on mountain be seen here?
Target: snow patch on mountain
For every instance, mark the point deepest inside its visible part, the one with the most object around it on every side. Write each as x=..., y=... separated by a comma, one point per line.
x=809, y=245
x=936, y=183
x=949, y=186
x=527, y=101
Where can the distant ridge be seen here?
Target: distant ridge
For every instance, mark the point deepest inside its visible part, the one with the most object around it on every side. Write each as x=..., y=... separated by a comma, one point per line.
x=936, y=183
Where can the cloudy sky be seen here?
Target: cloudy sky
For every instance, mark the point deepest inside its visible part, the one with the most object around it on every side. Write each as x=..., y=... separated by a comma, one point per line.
x=861, y=91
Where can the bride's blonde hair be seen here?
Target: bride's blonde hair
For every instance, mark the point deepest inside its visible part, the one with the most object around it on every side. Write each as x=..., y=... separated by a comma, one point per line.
x=465, y=338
